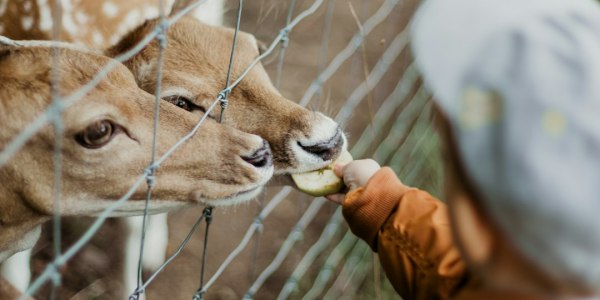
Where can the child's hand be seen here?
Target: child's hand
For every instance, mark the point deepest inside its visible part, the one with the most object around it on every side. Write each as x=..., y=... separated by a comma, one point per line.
x=354, y=174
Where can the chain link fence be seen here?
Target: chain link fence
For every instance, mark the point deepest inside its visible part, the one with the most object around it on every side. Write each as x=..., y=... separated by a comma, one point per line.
x=285, y=246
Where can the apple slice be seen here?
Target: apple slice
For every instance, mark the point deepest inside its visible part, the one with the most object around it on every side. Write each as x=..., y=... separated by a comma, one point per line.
x=323, y=181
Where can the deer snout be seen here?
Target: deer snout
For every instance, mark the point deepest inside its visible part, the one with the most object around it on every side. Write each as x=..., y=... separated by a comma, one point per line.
x=326, y=150
x=261, y=158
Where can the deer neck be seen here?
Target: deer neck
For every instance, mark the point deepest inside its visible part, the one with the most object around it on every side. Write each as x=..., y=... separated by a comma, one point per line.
x=20, y=226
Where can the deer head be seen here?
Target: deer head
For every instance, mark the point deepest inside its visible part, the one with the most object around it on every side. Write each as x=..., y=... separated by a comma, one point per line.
x=194, y=71
x=106, y=145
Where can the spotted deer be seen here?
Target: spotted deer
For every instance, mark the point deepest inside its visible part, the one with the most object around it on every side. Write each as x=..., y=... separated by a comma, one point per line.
x=94, y=24
x=194, y=71
x=106, y=145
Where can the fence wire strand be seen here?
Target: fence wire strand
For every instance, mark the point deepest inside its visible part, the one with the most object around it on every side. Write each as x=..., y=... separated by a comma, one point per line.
x=150, y=178
x=294, y=236
x=57, y=122
x=51, y=271
x=403, y=89
x=384, y=10
x=396, y=47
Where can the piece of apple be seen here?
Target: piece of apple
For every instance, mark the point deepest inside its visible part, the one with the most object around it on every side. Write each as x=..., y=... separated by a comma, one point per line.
x=323, y=181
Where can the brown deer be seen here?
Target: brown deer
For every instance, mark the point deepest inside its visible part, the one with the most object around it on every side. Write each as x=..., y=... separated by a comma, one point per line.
x=195, y=66
x=106, y=146
x=95, y=24
x=92, y=23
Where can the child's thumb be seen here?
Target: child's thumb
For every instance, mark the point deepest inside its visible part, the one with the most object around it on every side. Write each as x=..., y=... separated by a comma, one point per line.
x=338, y=169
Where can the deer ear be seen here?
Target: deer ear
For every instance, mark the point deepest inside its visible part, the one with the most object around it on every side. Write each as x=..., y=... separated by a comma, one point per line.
x=180, y=5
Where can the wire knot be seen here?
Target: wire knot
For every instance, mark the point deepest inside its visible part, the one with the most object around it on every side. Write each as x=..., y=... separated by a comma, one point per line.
x=161, y=35
x=207, y=212
x=222, y=97
x=55, y=276
x=259, y=223
x=285, y=37
x=150, y=179
x=136, y=294
x=198, y=295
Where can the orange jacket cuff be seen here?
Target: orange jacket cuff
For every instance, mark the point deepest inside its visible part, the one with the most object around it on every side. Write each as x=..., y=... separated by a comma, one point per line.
x=367, y=208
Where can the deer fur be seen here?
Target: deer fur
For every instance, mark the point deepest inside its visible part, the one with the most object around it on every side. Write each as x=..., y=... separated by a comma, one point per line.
x=91, y=23
x=195, y=65
x=92, y=179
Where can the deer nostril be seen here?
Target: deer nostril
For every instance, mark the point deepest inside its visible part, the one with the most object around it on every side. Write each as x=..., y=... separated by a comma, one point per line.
x=326, y=150
x=260, y=158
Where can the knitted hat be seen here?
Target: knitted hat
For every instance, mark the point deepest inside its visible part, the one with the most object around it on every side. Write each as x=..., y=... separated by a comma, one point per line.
x=519, y=81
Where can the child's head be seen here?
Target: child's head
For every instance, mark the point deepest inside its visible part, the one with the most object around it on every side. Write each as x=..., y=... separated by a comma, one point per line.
x=518, y=85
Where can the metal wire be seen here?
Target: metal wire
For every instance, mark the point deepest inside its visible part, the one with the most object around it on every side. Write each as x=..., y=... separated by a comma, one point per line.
x=353, y=263
x=331, y=262
x=256, y=224
x=386, y=110
x=399, y=130
x=224, y=101
x=325, y=41
x=13, y=146
x=384, y=10
x=182, y=245
x=294, y=236
x=284, y=44
x=378, y=71
x=58, y=135
x=311, y=255
x=208, y=218
x=51, y=271
x=150, y=178
x=385, y=62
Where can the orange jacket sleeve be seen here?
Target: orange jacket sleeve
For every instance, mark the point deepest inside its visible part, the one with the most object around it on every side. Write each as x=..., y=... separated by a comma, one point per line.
x=410, y=230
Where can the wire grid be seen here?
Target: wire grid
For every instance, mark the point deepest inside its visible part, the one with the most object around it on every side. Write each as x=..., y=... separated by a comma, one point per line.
x=400, y=96
x=414, y=111
x=52, y=114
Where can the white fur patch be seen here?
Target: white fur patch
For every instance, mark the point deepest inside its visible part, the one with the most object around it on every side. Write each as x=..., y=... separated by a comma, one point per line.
x=27, y=22
x=131, y=19
x=97, y=38
x=210, y=12
x=16, y=269
x=323, y=130
x=69, y=23
x=110, y=9
x=27, y=6
x=81, y=17
x=45, y=21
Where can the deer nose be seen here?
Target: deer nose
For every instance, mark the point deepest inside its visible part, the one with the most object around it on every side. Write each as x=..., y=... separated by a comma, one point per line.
x=326, y=150
x=260, y=158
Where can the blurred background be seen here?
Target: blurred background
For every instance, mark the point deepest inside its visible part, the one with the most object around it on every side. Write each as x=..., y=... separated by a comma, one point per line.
x=387, y=117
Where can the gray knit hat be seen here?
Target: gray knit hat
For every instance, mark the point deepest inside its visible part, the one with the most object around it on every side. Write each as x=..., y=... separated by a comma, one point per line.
x=519, y=81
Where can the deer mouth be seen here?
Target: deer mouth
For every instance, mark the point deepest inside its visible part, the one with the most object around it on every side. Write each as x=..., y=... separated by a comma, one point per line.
x=239, y=197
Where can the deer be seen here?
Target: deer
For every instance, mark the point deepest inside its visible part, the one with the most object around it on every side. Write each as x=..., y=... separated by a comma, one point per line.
x=105, y=145
x=94, y=24
x=194, y=68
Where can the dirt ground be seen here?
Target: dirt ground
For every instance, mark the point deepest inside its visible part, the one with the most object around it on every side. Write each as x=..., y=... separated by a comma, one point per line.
x=96, y=272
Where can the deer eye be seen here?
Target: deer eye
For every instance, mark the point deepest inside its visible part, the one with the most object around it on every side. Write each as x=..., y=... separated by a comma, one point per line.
x=181, y=102
x=96, y=135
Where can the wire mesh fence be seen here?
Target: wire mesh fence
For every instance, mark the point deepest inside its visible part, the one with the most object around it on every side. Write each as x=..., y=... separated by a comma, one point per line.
x=366, y=66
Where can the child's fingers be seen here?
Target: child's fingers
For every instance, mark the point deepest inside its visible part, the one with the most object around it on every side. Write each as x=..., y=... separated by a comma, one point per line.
x=337, y=198
x=338, y=169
